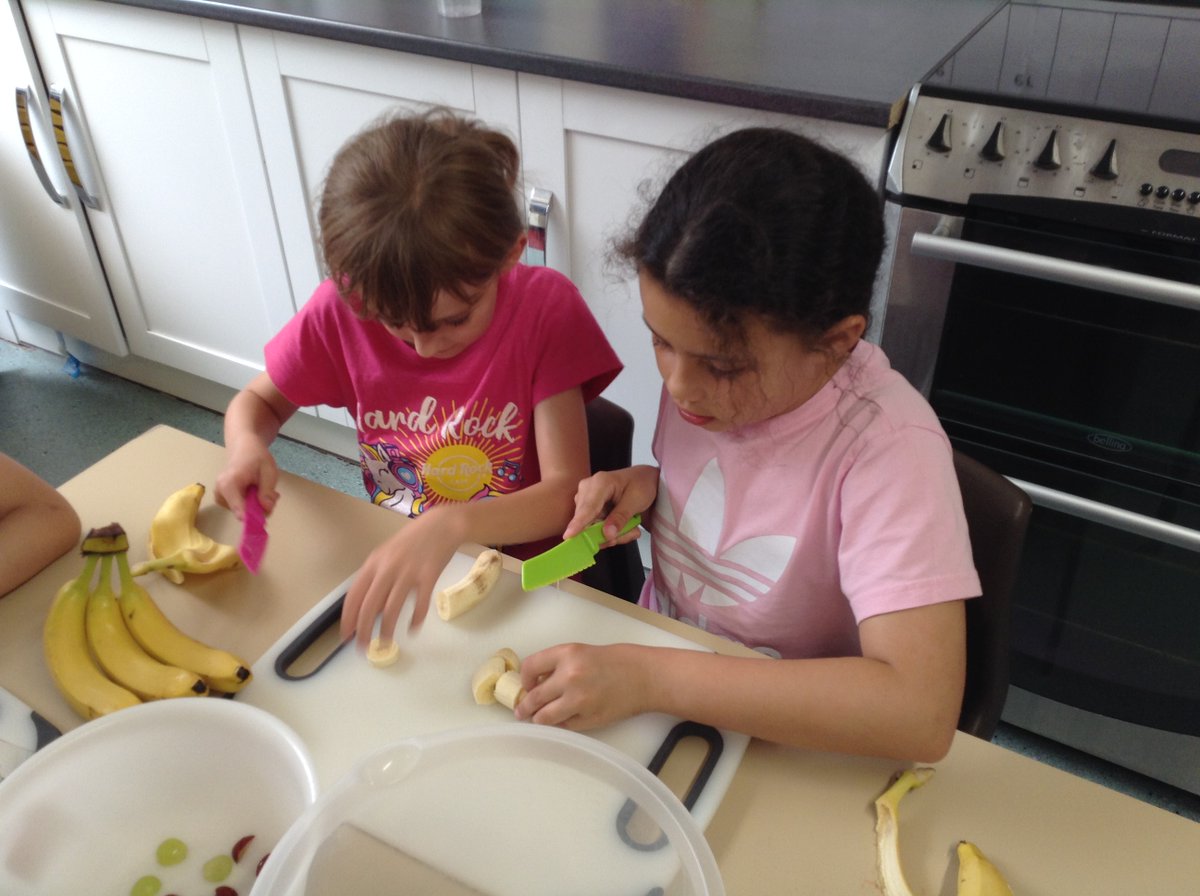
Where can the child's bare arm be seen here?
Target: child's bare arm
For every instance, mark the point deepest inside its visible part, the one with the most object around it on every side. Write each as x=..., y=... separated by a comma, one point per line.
x=900, y=700
x=37, y=525
x=252, y=421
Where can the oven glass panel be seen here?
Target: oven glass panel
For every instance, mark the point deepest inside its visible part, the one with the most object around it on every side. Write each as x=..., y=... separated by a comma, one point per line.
x=1102, y=389
x=1096, y=395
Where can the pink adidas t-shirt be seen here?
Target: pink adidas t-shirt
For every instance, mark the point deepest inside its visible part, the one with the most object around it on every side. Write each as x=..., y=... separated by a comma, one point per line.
x=458, y=429
x=785, y=535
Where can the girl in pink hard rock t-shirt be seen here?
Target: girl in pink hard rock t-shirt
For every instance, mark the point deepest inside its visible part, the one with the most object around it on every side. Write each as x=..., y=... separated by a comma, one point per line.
x=466, y=372
x=806, y=504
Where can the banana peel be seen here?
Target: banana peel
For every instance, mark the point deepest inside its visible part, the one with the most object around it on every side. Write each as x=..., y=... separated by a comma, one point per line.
x=977, y=876
x=177, y=546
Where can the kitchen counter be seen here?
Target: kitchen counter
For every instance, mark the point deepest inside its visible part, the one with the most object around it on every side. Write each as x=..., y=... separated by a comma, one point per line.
x=852, y=62
x=791, y=821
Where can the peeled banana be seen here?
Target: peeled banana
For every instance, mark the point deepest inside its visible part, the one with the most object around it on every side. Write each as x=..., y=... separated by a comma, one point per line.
x=177, y=546
x=159, y=637
x=887, y=830
x=508, y=689
x=976, y=875
x=472, y=588
x=120, y=655
x=64, y=641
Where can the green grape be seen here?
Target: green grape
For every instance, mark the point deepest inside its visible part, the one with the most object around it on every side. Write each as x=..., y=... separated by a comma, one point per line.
x=218, y=868
x=171, y=851
x=146, y=886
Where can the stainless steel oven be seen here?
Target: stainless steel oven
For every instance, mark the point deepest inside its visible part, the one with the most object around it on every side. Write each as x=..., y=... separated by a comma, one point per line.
x=1044, y=293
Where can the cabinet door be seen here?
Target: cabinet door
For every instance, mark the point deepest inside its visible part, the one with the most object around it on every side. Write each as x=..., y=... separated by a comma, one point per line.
x=311, y=95
x=159, y=114
x=50, y=272
x=604, y=153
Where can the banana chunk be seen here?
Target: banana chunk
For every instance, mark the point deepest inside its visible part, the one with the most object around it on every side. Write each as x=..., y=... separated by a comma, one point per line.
x=472, y=588
x=977, y=876
x=508, y=689
x=483, y=682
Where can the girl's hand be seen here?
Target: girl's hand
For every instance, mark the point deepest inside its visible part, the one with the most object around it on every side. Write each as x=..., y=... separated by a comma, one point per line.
x=580, y=686
x=614, y=496
x=251, y=464
x=409, y=562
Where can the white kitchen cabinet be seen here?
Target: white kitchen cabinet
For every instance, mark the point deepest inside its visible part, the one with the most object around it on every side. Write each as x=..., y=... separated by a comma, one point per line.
x=160, y=118
x=311, y=95
x=50, y=272
x=603, y=153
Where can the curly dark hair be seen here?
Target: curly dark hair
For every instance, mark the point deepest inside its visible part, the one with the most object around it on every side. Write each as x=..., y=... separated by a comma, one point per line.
x=415, y=204
x=763, y=221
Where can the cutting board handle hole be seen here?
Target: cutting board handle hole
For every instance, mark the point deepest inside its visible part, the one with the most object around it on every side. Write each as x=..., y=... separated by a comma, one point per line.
x=684, y=763
x=313, y=647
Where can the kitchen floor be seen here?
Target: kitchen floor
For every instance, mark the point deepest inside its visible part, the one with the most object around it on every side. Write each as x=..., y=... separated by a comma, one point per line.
x=58, y=424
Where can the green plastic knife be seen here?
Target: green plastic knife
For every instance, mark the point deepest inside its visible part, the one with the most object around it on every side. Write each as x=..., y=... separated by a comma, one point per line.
x=575, y=554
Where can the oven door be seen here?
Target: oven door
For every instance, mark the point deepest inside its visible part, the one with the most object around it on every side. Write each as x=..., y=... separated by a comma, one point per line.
x=1068, y=359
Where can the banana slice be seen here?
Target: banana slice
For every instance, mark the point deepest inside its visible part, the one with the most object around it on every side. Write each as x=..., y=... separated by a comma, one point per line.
x=483, y=682
x=512, y=662
x=383, y=653
x=472, y=588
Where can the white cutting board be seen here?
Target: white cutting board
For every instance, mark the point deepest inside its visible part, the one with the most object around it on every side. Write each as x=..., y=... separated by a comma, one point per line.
x=348, y=708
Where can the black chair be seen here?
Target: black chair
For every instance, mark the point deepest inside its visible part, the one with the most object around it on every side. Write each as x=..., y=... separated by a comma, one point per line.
x=618, y=569
x=997, y=516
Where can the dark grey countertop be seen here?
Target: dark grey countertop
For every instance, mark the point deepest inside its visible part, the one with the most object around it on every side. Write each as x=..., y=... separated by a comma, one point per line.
x=844, y=60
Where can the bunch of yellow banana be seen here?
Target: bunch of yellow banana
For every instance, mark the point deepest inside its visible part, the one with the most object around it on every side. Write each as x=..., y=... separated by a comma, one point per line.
x=177, y=546
x=107, y=650
x=976, y=875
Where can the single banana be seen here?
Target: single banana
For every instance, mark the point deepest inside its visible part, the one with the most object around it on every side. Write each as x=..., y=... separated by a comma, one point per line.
x=158, y=636
x=976, y=875
x=472, y=588
x=177, y=546
x=64, y=642
x=887, y=830
x=122, y=658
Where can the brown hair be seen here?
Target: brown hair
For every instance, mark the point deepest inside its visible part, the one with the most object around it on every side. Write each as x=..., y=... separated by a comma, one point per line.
x=416, y=204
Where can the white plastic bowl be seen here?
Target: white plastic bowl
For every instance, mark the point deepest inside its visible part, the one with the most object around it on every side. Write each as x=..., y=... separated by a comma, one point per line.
x=86, y=813
x=496, y=809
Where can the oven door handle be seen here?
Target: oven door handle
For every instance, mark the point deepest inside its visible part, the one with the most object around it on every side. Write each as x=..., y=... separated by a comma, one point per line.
x=1073, y=273
x=1116, y=517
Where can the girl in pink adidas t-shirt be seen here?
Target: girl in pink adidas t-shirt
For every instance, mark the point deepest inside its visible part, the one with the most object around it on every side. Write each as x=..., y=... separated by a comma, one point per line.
x=806, y=505
x=465, y=371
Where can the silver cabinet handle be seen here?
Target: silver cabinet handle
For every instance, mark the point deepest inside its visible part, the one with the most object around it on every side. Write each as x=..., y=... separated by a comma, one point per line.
x=58, y=120
x=23, y=97
x=1073, y=273
x=539, y=220
x=1116, y=517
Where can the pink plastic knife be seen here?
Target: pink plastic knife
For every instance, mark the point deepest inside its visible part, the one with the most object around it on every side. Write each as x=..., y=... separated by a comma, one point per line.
x=254, y=531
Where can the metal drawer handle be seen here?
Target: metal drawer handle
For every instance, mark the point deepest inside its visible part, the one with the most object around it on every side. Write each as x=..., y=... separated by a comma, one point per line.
x=1106, y=515
x=539, y=220
x=58, y=120
x=23, y=97
x=1073, y=273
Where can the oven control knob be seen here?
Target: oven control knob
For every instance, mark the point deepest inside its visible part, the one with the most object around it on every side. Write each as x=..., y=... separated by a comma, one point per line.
x=940, y=141
x=1106, y=168
x=1048, y=159
x=1146, y=189
x=1178, y=194
x=1194, y=197
x=993, y=150
x=1163, y=192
